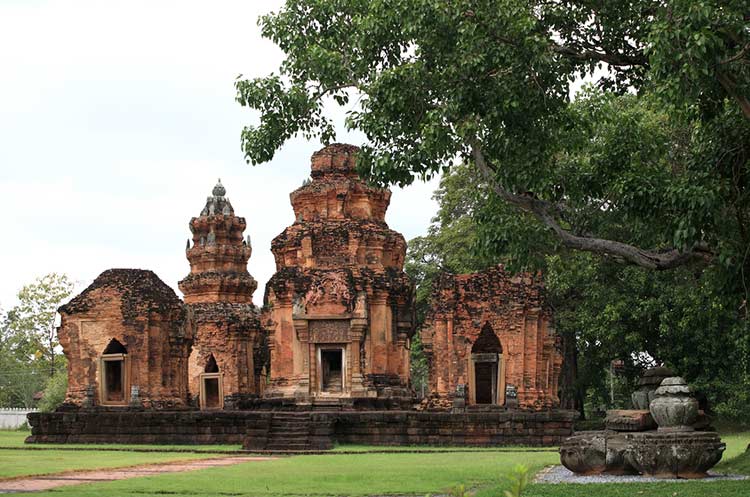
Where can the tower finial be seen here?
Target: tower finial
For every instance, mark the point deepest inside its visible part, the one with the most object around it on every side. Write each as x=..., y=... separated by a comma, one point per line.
x=219, y=190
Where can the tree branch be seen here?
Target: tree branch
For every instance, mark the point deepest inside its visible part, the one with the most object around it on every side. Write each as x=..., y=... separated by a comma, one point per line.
x=546, y=212
x=739, y=55
x=729, y=86
x=612, y=59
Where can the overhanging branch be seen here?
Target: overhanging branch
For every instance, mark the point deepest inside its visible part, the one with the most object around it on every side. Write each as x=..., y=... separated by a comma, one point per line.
x=546, y=212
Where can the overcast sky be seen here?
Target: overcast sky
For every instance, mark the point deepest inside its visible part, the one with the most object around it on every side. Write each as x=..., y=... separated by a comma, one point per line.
x=116, y=119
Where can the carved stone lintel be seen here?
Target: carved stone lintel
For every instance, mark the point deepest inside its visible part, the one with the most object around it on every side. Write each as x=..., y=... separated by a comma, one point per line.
x=329, y=331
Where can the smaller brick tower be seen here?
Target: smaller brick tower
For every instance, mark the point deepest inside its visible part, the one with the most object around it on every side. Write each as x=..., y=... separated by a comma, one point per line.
x=492, y=333
x=219, y=254
x=219, y=293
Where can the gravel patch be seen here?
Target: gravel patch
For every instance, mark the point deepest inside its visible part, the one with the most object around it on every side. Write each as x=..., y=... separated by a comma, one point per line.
x=561, y=474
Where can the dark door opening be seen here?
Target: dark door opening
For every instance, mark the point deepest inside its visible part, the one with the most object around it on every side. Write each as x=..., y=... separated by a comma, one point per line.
x=211, y=391
x=331, y=364
x=485, y=374
x=114, y=381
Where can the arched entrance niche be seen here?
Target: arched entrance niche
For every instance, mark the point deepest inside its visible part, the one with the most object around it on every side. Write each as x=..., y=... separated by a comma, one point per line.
x=487, y=369
x=114, y=375
x=211, y=389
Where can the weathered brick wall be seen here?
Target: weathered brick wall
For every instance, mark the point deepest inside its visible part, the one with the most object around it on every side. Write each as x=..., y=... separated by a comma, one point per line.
x=371, y=428
x=460, y=429
x=140, y=311
x=514, y=309
x=231, y=333
x=148, y=427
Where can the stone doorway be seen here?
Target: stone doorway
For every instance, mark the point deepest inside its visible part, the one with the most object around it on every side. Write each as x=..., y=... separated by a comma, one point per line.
x=114, y=381
x=211, y=389
x=487, y=375
x=332, y=370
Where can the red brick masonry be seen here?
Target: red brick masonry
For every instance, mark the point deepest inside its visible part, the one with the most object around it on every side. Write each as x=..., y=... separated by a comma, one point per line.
x=472, y=317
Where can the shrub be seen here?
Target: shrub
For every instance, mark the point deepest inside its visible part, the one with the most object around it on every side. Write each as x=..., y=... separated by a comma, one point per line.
x=54, y=392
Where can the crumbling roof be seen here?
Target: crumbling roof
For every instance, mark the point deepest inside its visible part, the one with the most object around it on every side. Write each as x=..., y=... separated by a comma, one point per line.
x=138, y=289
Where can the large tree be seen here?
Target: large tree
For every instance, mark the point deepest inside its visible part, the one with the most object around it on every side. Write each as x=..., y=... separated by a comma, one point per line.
x=604, y=311
x=643, y=170
x=489, y=82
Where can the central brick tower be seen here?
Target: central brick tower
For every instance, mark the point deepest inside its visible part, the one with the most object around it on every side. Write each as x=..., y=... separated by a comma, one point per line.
x=339, y=308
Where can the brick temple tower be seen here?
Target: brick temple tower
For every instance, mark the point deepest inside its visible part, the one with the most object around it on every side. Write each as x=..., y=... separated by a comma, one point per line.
x=340, y=307
x=491, y=334
x=219, y=294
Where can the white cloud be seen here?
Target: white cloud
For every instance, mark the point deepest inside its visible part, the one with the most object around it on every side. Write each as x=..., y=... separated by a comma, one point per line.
x=117, y=118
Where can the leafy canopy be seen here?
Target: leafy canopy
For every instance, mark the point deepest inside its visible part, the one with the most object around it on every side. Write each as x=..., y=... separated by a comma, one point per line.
x=661, y=146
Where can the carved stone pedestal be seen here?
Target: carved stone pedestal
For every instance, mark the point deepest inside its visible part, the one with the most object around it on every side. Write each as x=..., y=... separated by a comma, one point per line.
x=674, y=455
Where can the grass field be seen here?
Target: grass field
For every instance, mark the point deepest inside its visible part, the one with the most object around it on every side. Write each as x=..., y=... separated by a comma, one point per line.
x=356, y=475
x=15, y=438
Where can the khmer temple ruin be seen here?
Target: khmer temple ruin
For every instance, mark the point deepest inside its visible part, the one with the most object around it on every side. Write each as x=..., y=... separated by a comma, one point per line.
x=326, y=358
x=341, y=306
x=491, y=334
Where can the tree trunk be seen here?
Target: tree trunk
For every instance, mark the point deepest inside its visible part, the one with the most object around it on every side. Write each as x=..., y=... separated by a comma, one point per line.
x=571, y=396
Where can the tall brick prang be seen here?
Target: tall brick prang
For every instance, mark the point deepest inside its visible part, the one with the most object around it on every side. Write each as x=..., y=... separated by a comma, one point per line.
x=218, y=255
x=340, y=306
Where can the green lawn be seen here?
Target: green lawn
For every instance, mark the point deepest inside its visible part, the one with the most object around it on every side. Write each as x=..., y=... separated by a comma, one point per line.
x=351, y=475
x=23, y=463
x=360, y=474
x=437, y=448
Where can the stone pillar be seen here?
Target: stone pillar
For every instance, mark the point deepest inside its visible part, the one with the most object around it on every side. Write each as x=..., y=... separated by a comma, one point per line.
x=357, y=333
x=305, y=377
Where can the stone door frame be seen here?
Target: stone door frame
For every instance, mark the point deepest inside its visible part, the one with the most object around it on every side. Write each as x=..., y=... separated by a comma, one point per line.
x=499, y=393
x=202, y=390
x=125, y=378
x=319, y=348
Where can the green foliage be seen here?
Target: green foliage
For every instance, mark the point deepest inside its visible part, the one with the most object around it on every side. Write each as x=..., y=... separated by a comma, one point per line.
x=419, y=367
x=54, y=391
x=35, y=314
x=29, y=351
x=687, y=319
x=451, y=241
x=659, y=150
x=458, y=491
x=652, y=159
x=519, y=480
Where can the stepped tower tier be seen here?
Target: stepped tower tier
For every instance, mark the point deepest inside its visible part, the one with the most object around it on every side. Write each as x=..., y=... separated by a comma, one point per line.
x=339, y=308
x=225, y=363
x=218, y=255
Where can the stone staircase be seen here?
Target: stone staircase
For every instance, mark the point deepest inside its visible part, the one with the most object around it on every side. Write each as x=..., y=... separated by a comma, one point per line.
x=296, y=431
x=333, y=382
x=289, y=431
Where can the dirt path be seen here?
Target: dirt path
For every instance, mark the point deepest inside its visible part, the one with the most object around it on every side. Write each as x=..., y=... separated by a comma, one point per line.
x=39, y=483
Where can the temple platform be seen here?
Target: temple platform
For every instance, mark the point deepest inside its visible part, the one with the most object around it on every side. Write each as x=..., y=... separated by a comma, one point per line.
x=313, y=430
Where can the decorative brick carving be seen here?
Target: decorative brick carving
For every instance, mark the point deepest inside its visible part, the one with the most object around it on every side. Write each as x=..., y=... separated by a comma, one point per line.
x=162, y=344
x=140, y=312
x=329, y=330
